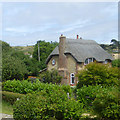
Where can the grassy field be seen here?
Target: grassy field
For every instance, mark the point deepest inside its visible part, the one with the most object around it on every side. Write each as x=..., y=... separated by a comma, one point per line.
x=6, y=108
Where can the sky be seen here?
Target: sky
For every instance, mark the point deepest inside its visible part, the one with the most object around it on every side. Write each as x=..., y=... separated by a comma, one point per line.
x=24, y=23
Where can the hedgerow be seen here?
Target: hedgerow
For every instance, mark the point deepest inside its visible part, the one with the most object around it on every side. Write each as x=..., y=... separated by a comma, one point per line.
x=10, y=96
x=25, y=87
x=103, y=101
x=46, y=105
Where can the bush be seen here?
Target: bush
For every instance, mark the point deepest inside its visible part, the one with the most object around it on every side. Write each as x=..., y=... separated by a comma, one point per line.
x=51, y=77
x=103, y=101
x=25, y=86
x=116, y=63
x=107, y=104
x=87, y=94
x=47, y=105
x=97, y=73
x=10, y=96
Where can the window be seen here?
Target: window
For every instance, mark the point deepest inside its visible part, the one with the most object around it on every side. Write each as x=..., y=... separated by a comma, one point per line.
x=89, y=60
x=53, y=62
x=72, y=76
x=106, y=61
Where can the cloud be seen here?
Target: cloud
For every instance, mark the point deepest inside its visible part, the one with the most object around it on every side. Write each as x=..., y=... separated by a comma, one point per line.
x=27, y=22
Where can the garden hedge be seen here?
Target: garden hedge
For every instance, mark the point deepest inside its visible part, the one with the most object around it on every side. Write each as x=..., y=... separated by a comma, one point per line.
x=24, y=87
x=46, y=105
x=103, y=101
x=10, y=96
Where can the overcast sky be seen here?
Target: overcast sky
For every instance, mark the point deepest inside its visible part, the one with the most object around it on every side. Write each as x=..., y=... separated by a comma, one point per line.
x=26, y=23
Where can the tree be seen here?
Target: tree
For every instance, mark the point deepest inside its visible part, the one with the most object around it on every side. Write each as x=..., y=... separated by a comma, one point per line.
x=97, y=73
x=115, y=44
x=45, y=49
x=13, y=68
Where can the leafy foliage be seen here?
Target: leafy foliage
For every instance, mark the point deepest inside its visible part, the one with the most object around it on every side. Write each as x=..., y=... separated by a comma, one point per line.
x=45, y=49
x=46, y=106
x=10, y=97
x=116, y=63
x=96, y=73
x=13, y=68
x=107, y=104
x=103, y=101
x=51, y=77
x=25, y=87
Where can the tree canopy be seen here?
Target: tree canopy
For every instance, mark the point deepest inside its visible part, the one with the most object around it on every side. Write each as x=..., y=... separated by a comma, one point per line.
x=45, y=49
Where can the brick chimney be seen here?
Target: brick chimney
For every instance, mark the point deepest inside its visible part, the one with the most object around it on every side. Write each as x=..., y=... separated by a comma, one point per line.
x=62, y=66
x=62, y=57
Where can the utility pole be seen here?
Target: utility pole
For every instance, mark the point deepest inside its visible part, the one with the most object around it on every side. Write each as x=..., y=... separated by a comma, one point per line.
x=38, y=51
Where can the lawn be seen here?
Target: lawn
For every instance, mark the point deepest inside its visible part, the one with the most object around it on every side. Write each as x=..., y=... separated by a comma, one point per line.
x=6, y=108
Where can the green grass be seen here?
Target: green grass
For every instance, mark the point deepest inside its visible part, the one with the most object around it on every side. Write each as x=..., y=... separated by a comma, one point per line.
x=6, y=108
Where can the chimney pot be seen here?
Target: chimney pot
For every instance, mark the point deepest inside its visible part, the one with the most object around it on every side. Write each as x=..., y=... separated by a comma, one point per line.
x=77, y=36
x=80, y=37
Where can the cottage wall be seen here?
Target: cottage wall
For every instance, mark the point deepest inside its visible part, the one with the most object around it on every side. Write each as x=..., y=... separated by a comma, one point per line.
x=71, y=64
x=50, y=66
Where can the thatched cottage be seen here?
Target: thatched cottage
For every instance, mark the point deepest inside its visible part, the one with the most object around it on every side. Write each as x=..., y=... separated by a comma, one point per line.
x=72, y=55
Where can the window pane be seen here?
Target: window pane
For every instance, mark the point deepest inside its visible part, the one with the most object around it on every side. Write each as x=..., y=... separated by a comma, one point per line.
x=90, y=60
x=86, y=61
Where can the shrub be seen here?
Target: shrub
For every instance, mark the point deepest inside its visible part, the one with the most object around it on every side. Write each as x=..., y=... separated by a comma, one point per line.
x=116, y=63
x=103, y=101
x=51, y=77
x=107, y=104
x=87, y=94
x=10, y=96
x=25, y=86
x=97, y=73
x=47, y=105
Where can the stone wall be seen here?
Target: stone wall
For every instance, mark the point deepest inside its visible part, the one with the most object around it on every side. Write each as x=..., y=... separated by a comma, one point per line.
x=50, y=66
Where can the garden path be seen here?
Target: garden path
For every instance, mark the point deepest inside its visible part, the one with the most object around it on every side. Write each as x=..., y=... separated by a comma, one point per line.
x=5, y=116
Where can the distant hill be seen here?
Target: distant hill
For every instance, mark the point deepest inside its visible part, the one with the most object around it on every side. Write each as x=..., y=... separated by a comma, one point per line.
x=27, y=50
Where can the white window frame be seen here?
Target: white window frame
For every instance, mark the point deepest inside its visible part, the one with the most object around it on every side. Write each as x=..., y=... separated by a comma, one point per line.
x=72, y=75
x=88, y=59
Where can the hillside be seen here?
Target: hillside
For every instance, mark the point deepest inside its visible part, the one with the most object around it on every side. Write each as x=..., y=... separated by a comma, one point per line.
x=26, y=49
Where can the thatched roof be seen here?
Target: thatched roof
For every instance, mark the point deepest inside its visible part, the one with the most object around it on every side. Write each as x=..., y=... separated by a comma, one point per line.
x=81, y=49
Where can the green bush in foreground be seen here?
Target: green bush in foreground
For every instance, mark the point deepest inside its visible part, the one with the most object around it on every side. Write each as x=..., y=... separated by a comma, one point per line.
x=10, y=97
x=103, y=101
x=25, y=87
x=47, y=105
x=107, y=104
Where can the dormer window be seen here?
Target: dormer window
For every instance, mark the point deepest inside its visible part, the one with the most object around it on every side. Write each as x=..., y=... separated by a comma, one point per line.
x=53, y=62
x=89, y=60
x=106, y=61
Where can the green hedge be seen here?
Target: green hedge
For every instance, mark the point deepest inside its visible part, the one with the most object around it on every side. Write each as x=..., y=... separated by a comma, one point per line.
x=25, y=86
x=10, y=96
x=103, y=101
x=47, y=105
